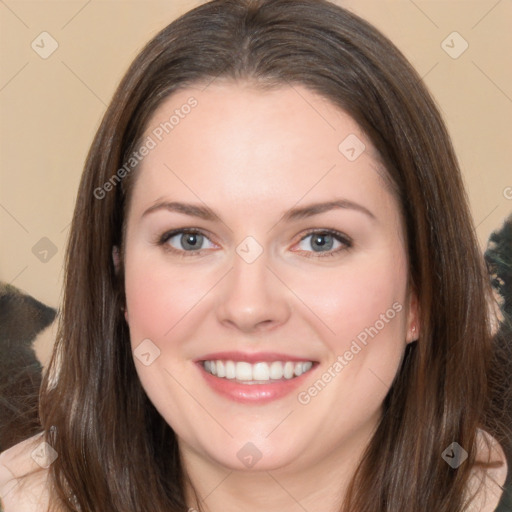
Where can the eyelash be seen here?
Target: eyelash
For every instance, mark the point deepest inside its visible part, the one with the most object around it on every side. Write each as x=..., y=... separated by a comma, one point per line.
x=340, y=237
x=344, y=240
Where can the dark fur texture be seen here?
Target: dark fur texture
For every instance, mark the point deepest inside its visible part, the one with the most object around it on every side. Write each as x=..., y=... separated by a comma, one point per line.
x=21, y=319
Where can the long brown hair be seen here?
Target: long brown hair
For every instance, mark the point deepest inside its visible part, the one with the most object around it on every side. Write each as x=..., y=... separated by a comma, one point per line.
x=116, y=452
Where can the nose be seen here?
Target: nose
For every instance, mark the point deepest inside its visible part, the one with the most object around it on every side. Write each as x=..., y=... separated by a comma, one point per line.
x=252, y=299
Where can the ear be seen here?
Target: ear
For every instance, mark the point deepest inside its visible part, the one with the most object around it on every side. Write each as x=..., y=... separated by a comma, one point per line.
x=115, y=257
x=413, y=319
x=116, y=260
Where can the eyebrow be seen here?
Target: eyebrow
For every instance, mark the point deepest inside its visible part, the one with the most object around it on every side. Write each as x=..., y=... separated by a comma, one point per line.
x=194, y=210
x=317, y=208
x=294, y=214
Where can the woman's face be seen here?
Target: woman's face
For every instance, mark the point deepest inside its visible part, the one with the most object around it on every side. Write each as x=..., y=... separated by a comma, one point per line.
x=262, y=241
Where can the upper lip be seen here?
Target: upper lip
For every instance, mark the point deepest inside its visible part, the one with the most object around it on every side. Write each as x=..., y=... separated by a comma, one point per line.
x=254, y=357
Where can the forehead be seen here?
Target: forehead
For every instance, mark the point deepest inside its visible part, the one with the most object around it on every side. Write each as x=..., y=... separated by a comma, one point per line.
x=243, y=144
x=240, y=110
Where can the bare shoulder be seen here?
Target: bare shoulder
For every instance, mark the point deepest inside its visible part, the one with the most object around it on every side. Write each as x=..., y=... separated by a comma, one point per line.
x=23, y=476
x=489, y=494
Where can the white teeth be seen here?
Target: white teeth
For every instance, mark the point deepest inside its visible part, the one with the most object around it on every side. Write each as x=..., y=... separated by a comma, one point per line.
x=306, y=366
x=276, y=370
x=230, y=369
x=221, y=369
x=288, y=370
x=243, y=371
x=259, y=372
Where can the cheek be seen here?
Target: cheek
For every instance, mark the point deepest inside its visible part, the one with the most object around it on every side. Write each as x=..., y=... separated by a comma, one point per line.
x=364, y=307
x=158, y=299
x=145, y=303
x=351, y=298
x=158, y=296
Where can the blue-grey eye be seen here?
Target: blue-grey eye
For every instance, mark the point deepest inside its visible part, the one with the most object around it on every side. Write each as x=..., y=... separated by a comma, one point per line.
x=319, y=242
x=188, y=241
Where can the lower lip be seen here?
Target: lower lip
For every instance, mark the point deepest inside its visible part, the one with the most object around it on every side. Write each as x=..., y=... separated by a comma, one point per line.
x=252, y=393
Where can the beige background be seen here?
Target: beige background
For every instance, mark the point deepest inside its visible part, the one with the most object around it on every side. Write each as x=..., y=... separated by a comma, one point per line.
x=50, y=108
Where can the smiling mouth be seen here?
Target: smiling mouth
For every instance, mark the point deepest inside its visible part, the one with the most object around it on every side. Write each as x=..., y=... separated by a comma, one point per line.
x=257, y=373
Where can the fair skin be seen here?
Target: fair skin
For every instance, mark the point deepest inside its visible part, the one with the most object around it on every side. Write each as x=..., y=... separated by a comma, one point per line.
x=251, y=156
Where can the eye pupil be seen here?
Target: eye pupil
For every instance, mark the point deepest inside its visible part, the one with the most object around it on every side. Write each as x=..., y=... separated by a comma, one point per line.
x=320, y=241
x=191, y=240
